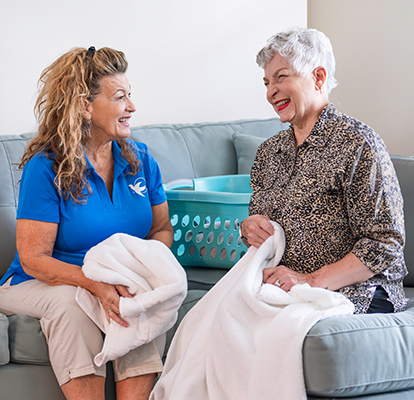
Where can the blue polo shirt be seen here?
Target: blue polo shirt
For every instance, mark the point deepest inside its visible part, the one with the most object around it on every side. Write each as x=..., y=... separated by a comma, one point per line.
x=82, y=226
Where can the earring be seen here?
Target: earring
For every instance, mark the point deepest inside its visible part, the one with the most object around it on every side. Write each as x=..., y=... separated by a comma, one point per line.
x=88, y=126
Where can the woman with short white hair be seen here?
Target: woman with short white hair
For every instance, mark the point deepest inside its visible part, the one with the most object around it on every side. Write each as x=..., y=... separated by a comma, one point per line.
x=328, y=181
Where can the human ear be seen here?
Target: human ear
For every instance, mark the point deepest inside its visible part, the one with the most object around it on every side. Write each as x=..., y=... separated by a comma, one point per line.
x=319, y=74
x=87, y=110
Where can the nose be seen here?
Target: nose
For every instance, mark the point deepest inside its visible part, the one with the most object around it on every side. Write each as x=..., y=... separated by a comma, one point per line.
x=271, y=92
x=131, y=106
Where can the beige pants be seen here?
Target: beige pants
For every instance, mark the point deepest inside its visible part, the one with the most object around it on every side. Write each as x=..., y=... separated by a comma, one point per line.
x=72, y=337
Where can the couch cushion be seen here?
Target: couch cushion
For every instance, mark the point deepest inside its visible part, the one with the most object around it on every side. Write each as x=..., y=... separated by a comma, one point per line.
x=246, y=148
x=167, y=145
x=27, y=342
x=11, y=150
x=360, y=354
x=211, y=148
x=400, y=395
x=203, y=278
x=4, y=340
x=264, y=128
x=404, y=166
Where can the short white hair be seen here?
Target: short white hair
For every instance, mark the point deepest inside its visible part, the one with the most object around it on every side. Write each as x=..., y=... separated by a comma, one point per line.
x=304, y=50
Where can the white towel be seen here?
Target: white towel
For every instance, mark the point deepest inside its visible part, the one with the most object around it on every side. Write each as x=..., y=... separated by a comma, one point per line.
x=243, y=340
x=154, y=278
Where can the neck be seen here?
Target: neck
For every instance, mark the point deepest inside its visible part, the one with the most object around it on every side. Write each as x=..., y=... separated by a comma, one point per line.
x=98, y=152
x=103, y=162
x=303, y=128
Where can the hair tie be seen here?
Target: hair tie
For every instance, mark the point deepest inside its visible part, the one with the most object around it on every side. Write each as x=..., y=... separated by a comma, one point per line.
x=91, y=51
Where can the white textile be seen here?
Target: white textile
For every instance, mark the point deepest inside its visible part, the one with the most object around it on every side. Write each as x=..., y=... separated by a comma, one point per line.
x=243, y=340
x=154, y=278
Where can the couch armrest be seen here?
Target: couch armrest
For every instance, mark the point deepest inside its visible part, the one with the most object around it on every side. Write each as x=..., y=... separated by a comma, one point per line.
x=4, y=340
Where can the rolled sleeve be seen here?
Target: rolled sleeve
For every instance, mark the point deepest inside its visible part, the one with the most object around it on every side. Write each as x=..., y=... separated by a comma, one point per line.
x=375, y=209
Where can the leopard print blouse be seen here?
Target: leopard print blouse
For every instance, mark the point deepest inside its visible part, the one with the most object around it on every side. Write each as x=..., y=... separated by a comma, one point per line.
x=336, y=193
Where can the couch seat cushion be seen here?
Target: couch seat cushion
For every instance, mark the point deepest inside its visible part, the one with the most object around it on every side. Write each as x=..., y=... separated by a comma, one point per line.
x=4, y=340
x=27, y=342
x=360, y=354
x=203, y=278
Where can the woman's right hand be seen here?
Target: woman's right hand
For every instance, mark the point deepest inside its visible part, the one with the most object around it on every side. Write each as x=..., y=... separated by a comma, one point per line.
x=256, y=229
x=109, y=296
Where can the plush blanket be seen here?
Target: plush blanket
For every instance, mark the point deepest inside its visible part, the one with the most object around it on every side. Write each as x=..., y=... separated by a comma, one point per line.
x=243, y=339
x=154, y=278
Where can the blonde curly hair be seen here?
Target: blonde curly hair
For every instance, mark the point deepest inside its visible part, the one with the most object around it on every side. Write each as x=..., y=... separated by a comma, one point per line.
x=65, y=88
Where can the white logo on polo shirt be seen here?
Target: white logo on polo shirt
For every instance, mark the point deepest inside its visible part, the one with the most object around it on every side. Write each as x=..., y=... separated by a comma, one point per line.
x=139, y=187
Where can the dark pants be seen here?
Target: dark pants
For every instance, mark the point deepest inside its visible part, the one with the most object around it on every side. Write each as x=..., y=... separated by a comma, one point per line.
x=380, y=302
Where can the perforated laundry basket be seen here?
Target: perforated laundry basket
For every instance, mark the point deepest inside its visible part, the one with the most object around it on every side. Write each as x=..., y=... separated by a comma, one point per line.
x=206, y=215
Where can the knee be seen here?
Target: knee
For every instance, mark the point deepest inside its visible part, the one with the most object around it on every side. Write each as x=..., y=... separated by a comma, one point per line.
x=65, y=313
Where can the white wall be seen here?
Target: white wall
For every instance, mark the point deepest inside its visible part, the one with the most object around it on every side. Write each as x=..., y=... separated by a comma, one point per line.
x=373, y=42
x=190, y=60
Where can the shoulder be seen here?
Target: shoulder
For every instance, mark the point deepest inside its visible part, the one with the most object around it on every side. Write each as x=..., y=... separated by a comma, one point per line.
x=40, y=162
x=140, y=149
x=355, y=135
x=143, y=154
x=276, y=142
x=350, y=128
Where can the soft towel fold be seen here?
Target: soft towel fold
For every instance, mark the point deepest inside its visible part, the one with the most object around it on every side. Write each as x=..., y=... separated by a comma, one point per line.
x=154, y=278
x=243, y=339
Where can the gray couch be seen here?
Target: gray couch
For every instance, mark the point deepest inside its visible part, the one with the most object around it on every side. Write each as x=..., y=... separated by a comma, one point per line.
x=358, y=356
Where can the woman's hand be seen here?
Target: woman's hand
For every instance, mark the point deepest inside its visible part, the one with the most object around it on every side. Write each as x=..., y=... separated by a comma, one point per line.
x=285, y=278
x=347, y=271
x=110, y=296
x=256, y=229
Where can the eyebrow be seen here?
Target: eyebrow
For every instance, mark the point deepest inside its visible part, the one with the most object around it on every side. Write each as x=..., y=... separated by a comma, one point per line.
x=123, y=90
x=275, y=74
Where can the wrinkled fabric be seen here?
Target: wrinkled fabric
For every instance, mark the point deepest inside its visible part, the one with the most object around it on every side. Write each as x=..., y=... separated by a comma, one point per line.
x=243, y=340
x=336, y=193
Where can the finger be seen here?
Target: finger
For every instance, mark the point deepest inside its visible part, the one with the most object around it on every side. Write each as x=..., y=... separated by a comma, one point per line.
x=113, y=315
x=259, y=230
x=123, y=291
x=267, y=273
x=266, y=226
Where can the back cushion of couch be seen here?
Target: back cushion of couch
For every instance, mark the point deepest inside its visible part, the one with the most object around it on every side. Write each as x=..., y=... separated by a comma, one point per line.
x=404, y=167
x=196, y=150
x=11, y=150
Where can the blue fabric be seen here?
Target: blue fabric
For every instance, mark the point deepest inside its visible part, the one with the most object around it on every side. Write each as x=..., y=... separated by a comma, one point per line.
x=82, y=226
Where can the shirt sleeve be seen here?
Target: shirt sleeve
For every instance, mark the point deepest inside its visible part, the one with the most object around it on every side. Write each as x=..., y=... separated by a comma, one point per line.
x=153, y=177
x=38, y=197
x=375, y=209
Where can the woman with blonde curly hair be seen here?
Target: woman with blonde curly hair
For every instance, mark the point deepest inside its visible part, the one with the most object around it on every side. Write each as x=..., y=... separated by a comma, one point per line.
x=77, y=189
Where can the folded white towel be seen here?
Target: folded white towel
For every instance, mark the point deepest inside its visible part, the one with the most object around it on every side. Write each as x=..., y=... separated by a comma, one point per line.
x=243, y=339
x=154, y=278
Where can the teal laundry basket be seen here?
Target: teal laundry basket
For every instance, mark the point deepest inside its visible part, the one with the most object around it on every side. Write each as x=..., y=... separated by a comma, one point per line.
x=206, y=215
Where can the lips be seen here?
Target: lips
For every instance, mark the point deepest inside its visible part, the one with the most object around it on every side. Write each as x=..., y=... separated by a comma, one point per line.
x=124, y=121
x=282, y=104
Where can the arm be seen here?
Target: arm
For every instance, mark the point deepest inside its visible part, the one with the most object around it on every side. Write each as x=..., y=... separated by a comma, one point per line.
x=374, y=208
x=35, y=242
x=161, y=226
x=347, y=271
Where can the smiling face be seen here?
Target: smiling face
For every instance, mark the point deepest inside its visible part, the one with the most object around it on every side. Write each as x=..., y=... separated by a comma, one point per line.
x=296, y=99
x=111, y=109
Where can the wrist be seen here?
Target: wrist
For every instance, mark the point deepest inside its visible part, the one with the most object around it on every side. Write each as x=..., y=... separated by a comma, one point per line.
x=317, y=279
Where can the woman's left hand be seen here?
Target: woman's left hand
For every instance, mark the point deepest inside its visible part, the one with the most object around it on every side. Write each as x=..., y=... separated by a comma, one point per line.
x=285, y=278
